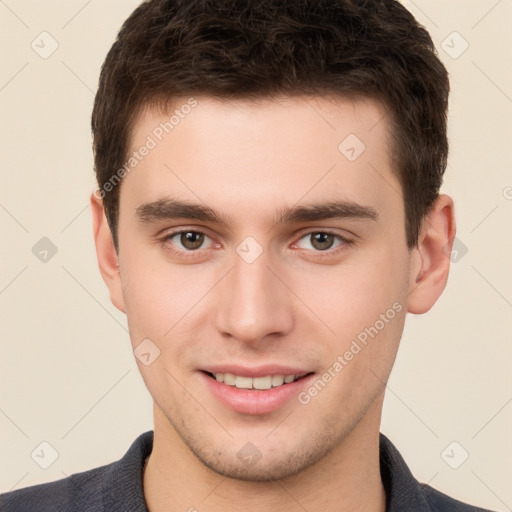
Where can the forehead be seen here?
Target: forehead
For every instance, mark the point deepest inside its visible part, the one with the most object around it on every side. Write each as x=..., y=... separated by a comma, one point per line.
x=278, y=152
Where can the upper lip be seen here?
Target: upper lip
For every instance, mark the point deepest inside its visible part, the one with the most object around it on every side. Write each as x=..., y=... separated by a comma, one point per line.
x=259, y=371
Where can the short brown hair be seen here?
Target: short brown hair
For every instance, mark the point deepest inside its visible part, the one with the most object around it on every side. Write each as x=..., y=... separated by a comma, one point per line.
x=263, y=48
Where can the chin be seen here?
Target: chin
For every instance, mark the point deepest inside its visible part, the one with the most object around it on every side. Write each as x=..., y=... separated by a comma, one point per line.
x=262, y=469
x=263, y=461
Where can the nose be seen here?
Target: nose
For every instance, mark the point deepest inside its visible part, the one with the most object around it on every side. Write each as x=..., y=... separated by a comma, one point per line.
x=254, y=302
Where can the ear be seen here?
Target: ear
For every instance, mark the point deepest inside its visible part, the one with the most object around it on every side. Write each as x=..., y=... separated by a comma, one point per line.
x=431, y=257
x=106, y=253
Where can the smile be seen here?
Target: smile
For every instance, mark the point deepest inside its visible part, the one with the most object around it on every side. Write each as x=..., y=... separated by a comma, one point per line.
x=261, y=393
x=260, y=383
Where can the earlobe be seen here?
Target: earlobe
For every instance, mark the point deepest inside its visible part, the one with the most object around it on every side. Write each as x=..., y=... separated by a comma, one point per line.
x=431, y=258
x=106, y=253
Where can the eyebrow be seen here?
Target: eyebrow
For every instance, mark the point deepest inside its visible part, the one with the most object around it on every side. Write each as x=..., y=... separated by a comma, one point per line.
x=330, y=210
x=169, y=209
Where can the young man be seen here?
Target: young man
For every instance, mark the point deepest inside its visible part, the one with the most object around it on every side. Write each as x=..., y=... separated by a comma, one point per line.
x=267, y=213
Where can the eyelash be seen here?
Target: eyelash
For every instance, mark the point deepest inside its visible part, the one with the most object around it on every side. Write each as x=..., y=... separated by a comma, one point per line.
x=344, y=243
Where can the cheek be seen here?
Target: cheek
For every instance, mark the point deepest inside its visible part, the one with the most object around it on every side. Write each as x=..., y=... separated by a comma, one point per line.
x=358, y=292
x=363, y=302
x=365, y=313
x=160, y=307
x=162, y=300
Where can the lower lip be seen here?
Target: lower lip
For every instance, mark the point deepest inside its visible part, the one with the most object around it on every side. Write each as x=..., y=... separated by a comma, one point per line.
x=255, y=401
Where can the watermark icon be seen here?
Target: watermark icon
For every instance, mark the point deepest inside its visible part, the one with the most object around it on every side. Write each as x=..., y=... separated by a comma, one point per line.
x=351, y=147
x=454, y=45
x=146, y=352
x=356, y=347
x=45, y=45
x=455, y=455
x=507, y=193
x=44, y=455
x=249, y=454
x=458, y=250
x=249, y=249
x=157, y=135
x=44, y=250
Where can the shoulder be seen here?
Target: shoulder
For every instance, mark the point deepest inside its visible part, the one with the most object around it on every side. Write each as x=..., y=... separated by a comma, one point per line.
x=405, y=493
x=115, y=487
x=439, y=502
x=60, y=496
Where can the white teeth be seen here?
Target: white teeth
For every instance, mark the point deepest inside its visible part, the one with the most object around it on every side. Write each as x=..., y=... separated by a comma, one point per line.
x=277, y=380
x=229, y=379
x=243, y=382
x=262, y=382
x=267, y=382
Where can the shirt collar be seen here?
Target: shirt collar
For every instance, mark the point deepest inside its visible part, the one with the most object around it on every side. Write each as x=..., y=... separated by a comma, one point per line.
x=403, y=491
x=123, y=487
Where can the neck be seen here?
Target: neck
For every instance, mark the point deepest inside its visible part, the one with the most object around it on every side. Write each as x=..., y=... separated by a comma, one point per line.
x=347, y=479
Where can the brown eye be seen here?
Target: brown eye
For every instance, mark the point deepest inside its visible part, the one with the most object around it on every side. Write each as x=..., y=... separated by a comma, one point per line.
x=187, y=240
x=318, y=241
x=191, y=240
x=322, y=241
x=189, y=243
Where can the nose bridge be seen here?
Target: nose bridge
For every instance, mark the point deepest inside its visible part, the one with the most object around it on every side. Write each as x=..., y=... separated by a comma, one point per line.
x=253, y=302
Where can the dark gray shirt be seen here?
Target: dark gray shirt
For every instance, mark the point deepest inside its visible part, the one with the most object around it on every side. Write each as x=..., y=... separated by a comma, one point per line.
x=117, y=487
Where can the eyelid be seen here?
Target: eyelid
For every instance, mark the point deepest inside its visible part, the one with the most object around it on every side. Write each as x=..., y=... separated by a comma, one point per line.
x=185, y=228
x=344, y=242
x=328, y=231
x=165, y=240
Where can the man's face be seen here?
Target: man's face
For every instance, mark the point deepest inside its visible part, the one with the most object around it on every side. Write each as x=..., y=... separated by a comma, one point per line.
x=253, y=244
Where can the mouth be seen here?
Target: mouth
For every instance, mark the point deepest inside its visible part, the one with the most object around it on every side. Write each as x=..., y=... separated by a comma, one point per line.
x=257, y=383
x=256, y=391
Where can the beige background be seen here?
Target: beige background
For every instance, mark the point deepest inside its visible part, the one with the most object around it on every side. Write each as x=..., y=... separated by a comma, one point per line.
x=68, y=375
